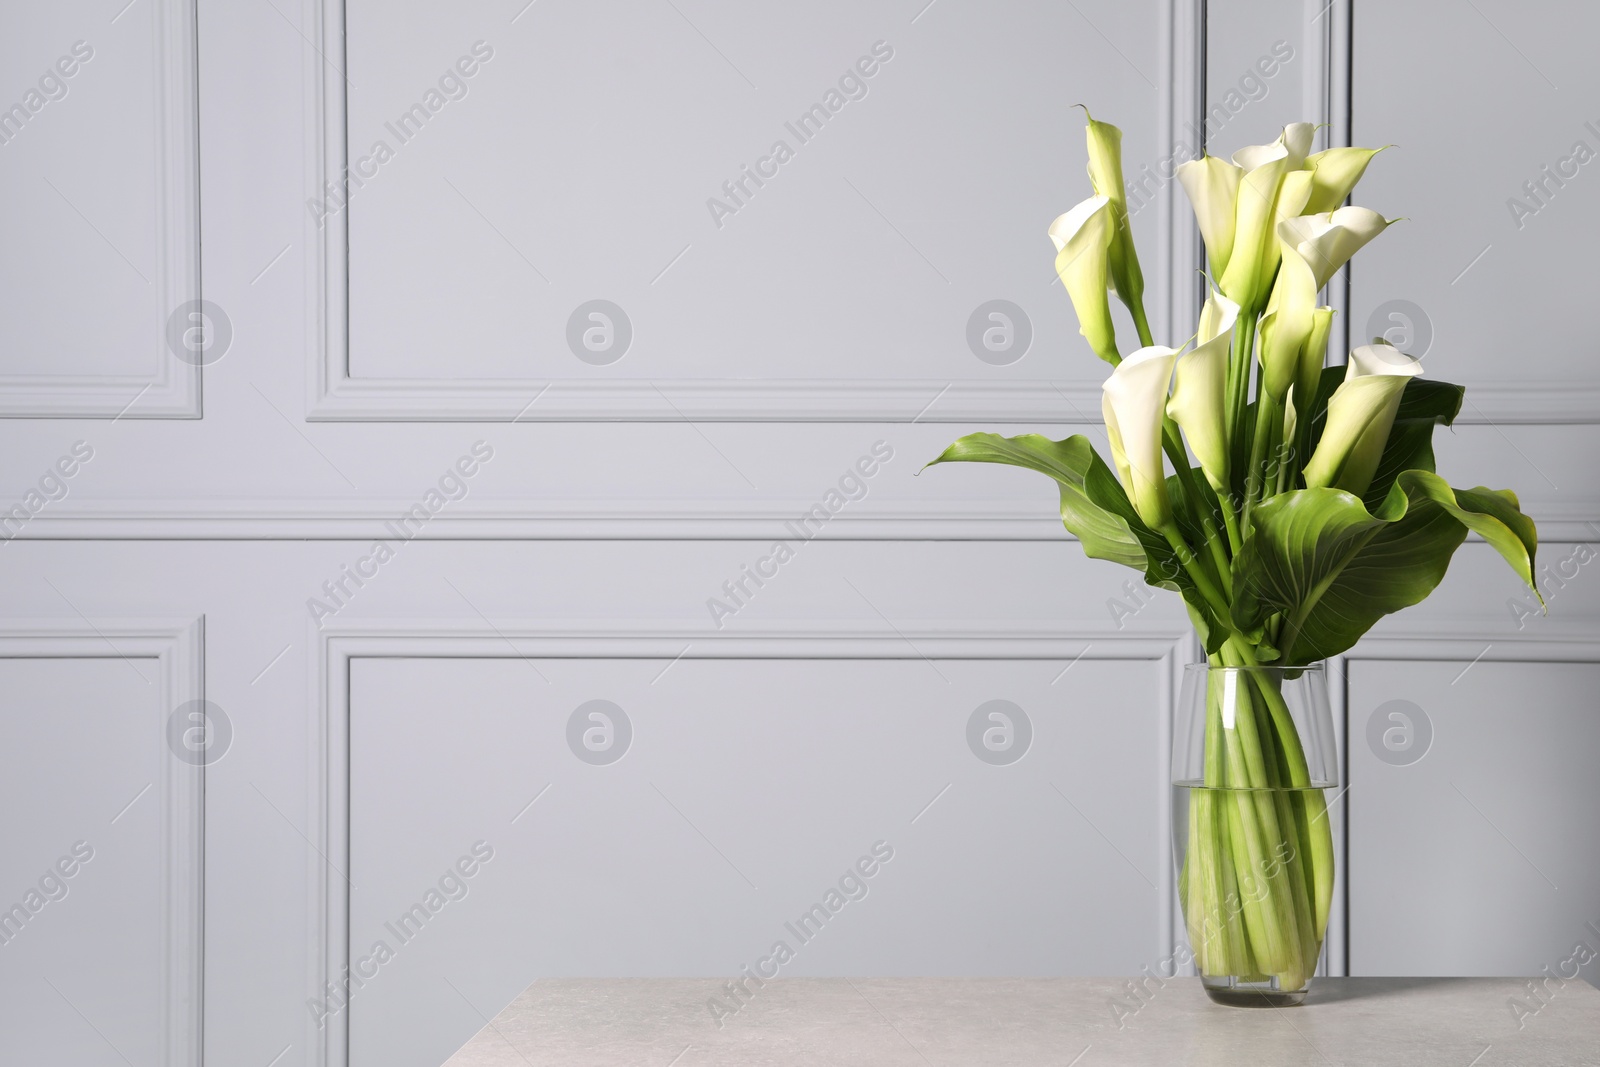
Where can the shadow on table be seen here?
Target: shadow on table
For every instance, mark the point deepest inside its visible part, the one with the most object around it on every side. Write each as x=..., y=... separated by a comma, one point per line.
x=1324, y=991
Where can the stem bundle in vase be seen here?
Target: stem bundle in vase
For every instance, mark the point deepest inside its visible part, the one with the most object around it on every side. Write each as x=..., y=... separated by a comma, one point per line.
x=1302, y=504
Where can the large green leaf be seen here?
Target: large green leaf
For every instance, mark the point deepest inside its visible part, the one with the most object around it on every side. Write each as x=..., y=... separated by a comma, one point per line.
x=1097, y=511
x=1423, y=405
x=1093, y=505
x=1330, y=569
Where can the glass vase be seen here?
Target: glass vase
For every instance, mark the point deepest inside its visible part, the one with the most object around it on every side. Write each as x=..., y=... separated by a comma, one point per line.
x=1252, y=753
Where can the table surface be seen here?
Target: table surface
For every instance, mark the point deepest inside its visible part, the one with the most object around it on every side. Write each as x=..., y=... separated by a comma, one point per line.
x=1068, y=1022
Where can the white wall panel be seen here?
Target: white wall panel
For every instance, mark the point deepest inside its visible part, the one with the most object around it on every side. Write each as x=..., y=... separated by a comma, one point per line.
x=748, y=787
x=822, y=298
x=1497, y=283
x=100, y=939
x=1470, y=860
x=102, y=249
x=1461, y=863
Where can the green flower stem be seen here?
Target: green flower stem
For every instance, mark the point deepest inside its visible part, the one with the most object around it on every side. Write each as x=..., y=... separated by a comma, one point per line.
x=1244, y=881
x=1214, y=769
x=1294, y=869
x=1205, y=888
x=1316, y=832
x=1237, y=394
x=1285, y=924
x=1252, y=918
x=1312, y=824
x=1269, y=914
x=1140, y=322
x=1213, y=892
x=1197, y=574
x=1288, y=454
x=1236, y=955
x=1231, y=522
x=1172, y=442
x=1301, y=447
x=1268, y=415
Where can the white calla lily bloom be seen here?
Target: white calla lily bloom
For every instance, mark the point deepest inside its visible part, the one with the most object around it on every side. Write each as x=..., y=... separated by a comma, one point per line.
x=1360, y=414
x=1328, y=240
x=1083, y=238
x=1199, y=389
x=1134, y=401
x=1337, y=171
x=1312, y=249
x=1297, y=138
x=1312, y=356
x=1212, y=185
x=1286, y=326
x=1260, y=205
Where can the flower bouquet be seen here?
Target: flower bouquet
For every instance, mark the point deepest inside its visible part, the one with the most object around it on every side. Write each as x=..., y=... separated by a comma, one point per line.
x=1315, y=510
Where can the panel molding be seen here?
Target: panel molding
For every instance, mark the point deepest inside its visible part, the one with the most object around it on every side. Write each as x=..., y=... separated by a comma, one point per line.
x=1326, y=92
x=335, y=396
x=1407, y=640
x=178, y=647
x=174, y=390
x=337, y=645
x=1560, y=520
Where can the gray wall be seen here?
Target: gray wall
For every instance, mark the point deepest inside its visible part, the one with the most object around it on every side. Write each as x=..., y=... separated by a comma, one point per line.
x=373, y=345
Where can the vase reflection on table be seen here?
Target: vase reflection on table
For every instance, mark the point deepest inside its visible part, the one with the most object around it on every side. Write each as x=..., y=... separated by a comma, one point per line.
x=1252, y=753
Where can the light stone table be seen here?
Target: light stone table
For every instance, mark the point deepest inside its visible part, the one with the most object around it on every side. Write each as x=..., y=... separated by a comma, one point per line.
x=1068, y=1022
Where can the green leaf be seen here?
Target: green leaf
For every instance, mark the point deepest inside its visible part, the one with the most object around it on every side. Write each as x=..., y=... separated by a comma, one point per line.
x=1093, y=506
x=1299, y=543
x=1424, y=405
x=1097, y=511
x=1213, y=628
x=1331, y=569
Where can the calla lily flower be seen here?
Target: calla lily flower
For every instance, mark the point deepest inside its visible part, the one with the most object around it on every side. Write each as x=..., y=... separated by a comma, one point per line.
x=1200, y=387
x=1134, y=400
x=1312, y=356
x=1360, y=415
x=1336, y=172
x=1254, y=258
x=1297, y=137
x=1293, y=195
x=1312, y=248
x=1287, y=324
x=1213, y=188
x=1328, y=240
x=1083, y=239
x=1105, y=174
x=1291, y=415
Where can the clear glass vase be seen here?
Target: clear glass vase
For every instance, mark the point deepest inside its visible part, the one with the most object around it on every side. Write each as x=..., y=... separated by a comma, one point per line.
x=1252, y=752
